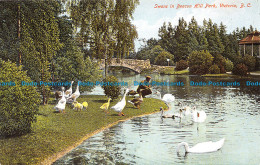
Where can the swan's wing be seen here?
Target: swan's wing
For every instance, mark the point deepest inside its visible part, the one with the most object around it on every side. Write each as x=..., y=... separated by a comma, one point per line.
x=207, y=146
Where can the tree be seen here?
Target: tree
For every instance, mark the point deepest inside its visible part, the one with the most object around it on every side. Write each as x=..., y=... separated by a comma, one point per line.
x=161, y=59
x=19, y=103
x=200, y=62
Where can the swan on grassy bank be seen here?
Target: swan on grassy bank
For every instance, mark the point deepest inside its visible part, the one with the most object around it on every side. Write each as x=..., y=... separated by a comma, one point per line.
x=202, y=147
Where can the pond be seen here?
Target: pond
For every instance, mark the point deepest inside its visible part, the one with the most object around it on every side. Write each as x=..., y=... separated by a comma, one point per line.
x=233, y=113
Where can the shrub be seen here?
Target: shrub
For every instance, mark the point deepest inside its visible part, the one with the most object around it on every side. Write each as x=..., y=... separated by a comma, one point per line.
x=220, y=61
x=250, y=62
x=181, y=65
x=214, y=69
x=240, y=69
x=161, y=59
x=19, y=104
x=112, y=91
x=200, y=62
x=229, y=65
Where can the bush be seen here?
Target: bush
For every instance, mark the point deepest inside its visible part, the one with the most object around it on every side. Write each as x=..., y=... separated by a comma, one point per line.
x=250, y=62
x=181, y=65
x=220, y=61
x=214, y=69
x=229, y=65
x=240, y=69
x=19, y=104
x=161, y=59
x=200, y=62
x=111, y=91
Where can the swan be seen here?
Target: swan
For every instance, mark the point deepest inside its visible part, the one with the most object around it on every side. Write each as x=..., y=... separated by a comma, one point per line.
x=202, y=147
x=198, y=116
x=167, y=98
x=186, y=110
x=75, y=95
x=69, y=91
x=62, y=103
x=173, y=116
x=120, y=105
x=106, y=105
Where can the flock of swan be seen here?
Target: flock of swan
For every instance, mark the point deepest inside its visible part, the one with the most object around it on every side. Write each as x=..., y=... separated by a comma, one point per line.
x=196, y=116
x=184, y=111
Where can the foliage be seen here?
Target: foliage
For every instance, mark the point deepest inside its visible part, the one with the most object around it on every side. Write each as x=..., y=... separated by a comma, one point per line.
x=200, y=62
x=181, y=65
x=70, y=63
x=250, y=62
x=112, y=91
x=214, y=69
x=220, y=61
x=229, y=65
x=19, y=104
x=105, y=26
x=240, y=69
x=161, y=59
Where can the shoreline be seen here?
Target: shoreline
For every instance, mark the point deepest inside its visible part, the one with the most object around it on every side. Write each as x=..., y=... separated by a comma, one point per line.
x=55, y=157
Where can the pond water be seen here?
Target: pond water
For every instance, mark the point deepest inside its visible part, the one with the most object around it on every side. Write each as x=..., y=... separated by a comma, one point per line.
x=233, y=113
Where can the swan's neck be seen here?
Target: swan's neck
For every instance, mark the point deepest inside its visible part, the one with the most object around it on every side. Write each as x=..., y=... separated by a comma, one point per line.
x=186, y=146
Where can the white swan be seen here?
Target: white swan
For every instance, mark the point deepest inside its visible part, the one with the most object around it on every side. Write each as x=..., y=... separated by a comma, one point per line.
x=75, y=95
x=198, y=116
x=186, y=110
x=173, y=116
x=167, y=98
x=61, y=104
x=202, y=147
x=120, y=105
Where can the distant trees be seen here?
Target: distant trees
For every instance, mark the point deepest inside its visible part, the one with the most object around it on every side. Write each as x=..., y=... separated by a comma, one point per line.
x=184, y=38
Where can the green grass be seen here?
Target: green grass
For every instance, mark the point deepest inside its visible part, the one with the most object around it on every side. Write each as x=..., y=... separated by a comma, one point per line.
x=56, y=132
x=171, y=71
x=217, y=75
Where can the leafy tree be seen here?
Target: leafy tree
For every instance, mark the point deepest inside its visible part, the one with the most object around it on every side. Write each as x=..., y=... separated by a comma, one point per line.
x=200, y=62
x=229, y=65
x=161, y=59
x=250, y=62
x=19, y=104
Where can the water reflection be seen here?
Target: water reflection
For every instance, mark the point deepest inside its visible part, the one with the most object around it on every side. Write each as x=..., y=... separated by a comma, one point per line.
x=232, y=112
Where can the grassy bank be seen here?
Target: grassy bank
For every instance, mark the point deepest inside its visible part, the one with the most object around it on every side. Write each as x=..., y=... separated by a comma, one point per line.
x=171, y=71
x=55, y=133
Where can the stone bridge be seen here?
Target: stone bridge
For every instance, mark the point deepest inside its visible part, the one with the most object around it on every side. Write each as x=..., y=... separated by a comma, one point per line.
x=133, y=64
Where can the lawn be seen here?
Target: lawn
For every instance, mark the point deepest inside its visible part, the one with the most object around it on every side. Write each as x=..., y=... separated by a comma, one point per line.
x=56, y=133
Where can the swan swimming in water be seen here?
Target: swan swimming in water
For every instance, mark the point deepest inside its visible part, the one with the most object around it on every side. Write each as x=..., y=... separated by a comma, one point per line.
x=202, y=147
x=186, y=110
x=173, y=116
x=198, y=116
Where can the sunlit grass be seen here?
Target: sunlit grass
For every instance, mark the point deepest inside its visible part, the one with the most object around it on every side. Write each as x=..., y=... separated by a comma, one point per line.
x=55, y=132
x=171, y=71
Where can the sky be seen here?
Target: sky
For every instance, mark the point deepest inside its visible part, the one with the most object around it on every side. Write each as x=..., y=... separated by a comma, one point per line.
x=149, y=19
